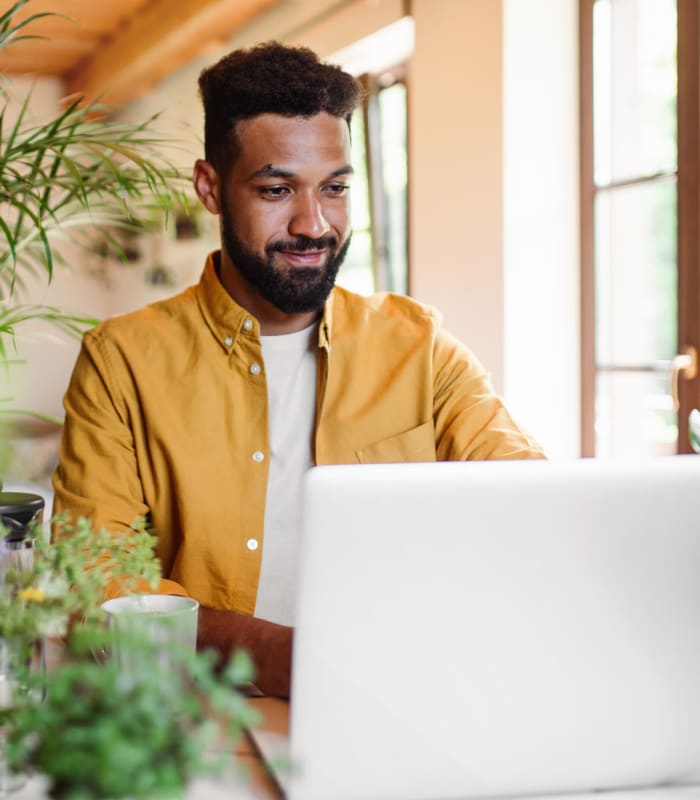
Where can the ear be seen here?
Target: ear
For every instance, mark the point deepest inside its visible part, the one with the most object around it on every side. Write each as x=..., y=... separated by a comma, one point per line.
x=205, y=180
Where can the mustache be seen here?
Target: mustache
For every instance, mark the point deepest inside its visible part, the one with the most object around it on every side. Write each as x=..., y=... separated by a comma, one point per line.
x=302, y=243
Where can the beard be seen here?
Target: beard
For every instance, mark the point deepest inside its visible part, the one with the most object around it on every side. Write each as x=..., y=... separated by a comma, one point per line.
x=293, y=290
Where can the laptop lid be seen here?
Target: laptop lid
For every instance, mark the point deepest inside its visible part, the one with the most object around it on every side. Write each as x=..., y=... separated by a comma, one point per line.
x=497, y=628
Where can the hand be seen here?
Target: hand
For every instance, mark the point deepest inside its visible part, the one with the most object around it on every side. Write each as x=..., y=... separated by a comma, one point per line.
x=269, y=645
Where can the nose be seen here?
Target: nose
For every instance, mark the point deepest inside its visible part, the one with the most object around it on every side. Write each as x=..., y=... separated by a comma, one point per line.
x=308, y=218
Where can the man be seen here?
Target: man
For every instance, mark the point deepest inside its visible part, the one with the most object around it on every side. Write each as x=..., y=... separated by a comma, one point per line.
x=205, y=410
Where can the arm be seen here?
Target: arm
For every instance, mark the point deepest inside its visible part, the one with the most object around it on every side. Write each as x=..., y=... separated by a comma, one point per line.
x=269, y=645
x=471, y=420
x=97, y=476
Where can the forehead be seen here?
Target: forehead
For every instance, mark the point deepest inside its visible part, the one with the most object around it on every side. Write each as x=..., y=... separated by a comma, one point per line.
x=292, y=143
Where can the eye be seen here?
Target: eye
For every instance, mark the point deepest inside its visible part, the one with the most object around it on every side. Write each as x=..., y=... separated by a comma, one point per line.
x=337, y=189
x=274, y=192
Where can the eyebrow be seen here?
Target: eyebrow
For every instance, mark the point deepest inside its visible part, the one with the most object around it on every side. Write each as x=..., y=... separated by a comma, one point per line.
x=270, y=171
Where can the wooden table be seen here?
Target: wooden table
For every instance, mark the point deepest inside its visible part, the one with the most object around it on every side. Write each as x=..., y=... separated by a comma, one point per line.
x=275, y=718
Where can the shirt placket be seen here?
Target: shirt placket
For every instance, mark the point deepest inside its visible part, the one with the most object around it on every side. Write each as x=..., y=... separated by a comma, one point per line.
x=253, y=451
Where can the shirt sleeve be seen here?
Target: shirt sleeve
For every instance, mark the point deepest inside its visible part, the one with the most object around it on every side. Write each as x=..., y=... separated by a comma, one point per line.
x=471, y=420
x=97, y=476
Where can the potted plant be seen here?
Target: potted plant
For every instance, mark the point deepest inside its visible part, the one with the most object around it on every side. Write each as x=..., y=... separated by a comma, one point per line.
x=77, y=177
x=101, y=733
x=89, y=728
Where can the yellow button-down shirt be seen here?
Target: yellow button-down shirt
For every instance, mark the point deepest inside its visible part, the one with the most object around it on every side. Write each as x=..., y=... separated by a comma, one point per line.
x=168, y=405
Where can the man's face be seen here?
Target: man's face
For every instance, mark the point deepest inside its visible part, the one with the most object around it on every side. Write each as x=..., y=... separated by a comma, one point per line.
x=285, y=210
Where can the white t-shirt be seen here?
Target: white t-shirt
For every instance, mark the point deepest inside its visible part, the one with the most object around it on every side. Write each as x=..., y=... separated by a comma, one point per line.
x=290, y=369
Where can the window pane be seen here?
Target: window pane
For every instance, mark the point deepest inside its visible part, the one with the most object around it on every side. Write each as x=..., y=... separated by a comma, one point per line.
x=360, y=190
x=634, y=415
x=356, y=272
x=634, y=88
x=635, y=254
x=392, y=110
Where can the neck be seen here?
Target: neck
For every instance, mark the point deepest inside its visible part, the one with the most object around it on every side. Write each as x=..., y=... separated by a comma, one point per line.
x=273, y=321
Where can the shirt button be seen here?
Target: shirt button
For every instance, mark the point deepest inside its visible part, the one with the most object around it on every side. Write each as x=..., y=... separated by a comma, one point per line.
x=248, y=324
x=254, y=368
x=252, y=544
x=258, y=456
x=228, y=341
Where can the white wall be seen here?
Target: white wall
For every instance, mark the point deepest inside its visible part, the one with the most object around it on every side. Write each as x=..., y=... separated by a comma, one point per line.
x=541, y=220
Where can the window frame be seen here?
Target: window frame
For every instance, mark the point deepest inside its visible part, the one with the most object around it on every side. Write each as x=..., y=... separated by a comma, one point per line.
x=688, y=214
x=373, y=84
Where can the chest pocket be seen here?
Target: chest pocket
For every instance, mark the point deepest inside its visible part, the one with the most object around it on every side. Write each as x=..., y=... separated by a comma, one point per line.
x=418, y=444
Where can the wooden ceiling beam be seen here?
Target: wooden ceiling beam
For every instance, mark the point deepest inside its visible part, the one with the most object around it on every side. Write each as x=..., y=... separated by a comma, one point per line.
x=30, y=57
x=158, y=39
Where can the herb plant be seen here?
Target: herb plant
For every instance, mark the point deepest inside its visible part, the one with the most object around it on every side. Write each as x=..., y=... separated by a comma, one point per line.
x=103, y=733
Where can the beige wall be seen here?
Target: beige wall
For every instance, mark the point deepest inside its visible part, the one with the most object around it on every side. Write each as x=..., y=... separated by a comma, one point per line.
x=43, y=356
x=494, y=183
x=455, y=129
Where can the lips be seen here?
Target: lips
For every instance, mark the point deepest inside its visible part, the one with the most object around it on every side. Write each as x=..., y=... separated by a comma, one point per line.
x=304, y=258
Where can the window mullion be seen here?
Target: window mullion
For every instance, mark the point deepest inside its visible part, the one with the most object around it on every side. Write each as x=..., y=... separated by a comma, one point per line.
x=377, y=205
x=688, y=202
x=587, y=351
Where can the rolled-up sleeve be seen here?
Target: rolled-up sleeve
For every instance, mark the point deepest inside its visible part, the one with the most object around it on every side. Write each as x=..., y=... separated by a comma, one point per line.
x=471, y=420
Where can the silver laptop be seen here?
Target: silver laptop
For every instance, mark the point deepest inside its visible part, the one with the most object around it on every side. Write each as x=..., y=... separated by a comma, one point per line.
x=495, y=629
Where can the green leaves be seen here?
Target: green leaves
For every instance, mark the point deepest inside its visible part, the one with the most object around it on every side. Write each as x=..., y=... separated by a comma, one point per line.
x=694, y=429
x=74, y=179
x=75, y=172
x=13, y=315
x=96, y=735
x=101, y=730
x=10, y=32
x=68, y=577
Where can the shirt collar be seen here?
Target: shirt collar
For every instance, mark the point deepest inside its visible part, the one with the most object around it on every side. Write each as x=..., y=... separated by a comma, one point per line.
x=227, y=320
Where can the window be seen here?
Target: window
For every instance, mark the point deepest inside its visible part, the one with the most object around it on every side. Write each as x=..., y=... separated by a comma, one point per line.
x=638, y=331
x=378, y=256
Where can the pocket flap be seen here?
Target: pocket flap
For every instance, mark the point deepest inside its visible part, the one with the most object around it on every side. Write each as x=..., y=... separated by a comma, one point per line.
x=418, y=444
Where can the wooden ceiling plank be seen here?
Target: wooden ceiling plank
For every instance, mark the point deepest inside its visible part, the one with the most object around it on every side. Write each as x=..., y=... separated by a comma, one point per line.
x=73, y=29
x=161, y=34
x=39, y=57
x=68, y=15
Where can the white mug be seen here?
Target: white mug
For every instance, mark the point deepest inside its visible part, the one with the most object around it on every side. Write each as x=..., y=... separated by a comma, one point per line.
x=162, y=624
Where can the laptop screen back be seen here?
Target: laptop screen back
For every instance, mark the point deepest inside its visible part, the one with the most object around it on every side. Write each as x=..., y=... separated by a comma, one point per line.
x=497, y=628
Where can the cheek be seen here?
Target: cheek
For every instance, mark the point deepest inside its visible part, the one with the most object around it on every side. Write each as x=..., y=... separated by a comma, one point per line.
x=338, y=217
x=255, y=225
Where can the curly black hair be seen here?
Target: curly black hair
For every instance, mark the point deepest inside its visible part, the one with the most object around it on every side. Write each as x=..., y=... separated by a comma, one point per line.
x=268, y=78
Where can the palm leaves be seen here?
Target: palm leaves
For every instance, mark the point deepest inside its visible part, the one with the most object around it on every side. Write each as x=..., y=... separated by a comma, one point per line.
x=74, y=178
x=10, y=31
